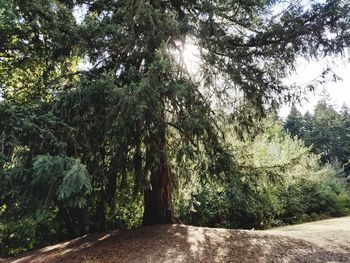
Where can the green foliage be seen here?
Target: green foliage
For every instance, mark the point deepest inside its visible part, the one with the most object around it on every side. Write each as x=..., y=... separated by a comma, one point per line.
x=37, y=51
x=68, y=176
x=307, y=200
x=280, y=182
x=27, y=233
x=16, y=237
x=294, y=123
x=238, y=204
x=326, y=132
x=242, y=205
x=208, y=207
x=251, y=206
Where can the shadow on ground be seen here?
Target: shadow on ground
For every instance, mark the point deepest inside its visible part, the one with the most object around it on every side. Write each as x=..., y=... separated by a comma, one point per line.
x=179, y=243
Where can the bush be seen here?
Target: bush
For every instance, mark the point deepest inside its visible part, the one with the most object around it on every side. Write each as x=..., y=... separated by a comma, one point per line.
x=251, y=205
x=307, y=200
x=343, y=204
x=244, y=204
x=206, y=208
x=239, y=205
x=17, y=236
x=293, y=207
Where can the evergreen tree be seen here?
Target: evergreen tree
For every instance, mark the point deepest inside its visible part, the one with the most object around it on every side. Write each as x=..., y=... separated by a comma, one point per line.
x=136, y=92
x=326, y=132
x=308, y=127
x=294, y=123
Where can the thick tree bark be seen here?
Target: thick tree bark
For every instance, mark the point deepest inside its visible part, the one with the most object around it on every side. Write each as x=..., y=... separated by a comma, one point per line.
x=158, y=208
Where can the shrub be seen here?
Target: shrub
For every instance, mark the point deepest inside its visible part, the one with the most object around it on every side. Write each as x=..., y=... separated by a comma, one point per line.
x=28, y=233
x=238, y=205
x=249, y=204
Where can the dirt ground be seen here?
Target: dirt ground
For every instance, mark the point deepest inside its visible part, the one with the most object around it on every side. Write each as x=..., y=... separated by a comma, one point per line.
x=322, y=241
x=331, y=234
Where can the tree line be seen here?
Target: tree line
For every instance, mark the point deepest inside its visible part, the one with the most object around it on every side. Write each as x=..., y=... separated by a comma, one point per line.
x=326, y=132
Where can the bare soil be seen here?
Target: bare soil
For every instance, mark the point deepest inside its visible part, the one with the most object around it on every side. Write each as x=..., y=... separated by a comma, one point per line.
x=322, y=241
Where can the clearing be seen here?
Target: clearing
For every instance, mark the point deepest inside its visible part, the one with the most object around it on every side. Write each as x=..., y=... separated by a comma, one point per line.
x=322, y=241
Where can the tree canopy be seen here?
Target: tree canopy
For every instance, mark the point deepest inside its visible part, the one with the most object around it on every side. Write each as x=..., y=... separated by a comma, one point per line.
x=326, y=131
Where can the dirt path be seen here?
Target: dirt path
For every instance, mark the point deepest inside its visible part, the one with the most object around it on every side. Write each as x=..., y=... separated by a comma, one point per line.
x=325, y=241
x=330, y=234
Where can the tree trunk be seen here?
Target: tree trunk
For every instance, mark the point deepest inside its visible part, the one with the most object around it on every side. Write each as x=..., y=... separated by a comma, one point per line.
x=158, y=208
x=64, y=212
x=100, y=211
x=75, y=221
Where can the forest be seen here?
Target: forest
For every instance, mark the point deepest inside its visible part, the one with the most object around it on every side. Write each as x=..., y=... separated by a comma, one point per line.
x=104, y=126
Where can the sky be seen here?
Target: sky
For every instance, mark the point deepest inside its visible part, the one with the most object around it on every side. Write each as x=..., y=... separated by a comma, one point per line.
x=339, y=91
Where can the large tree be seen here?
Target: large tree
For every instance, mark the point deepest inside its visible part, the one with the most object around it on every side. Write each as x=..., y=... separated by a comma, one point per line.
x=136, y=89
